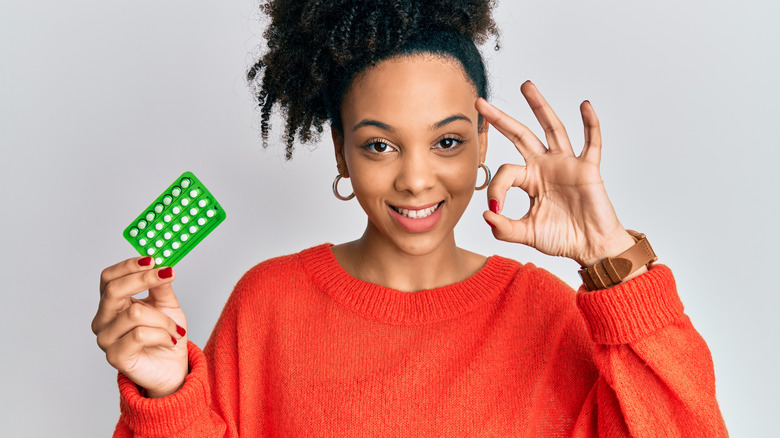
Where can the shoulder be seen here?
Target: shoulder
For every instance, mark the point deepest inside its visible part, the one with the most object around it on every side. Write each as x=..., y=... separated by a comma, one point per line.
x=535, y=286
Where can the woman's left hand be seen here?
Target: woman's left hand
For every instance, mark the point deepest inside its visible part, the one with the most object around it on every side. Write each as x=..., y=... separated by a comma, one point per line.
x=570, y=214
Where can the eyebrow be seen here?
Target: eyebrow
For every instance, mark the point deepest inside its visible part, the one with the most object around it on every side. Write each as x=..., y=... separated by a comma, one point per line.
x=386, y=127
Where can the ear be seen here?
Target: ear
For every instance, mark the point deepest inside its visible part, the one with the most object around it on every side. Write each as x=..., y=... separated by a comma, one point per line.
x=483, y=141
x=338, y=148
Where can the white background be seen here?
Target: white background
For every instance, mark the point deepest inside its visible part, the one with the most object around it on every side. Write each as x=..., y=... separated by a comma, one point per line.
x=103, y=103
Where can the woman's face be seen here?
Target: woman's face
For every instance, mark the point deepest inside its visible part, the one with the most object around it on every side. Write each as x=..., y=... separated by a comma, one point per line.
x=411, y=148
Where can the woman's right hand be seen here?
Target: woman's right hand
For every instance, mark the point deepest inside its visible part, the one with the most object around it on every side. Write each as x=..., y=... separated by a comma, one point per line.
x=145, y=339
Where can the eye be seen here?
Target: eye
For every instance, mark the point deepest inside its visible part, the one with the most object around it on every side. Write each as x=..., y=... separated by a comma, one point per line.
x=378, y=147
x=448, y=143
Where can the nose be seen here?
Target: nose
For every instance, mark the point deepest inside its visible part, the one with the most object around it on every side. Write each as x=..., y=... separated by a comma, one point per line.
x=416, y=173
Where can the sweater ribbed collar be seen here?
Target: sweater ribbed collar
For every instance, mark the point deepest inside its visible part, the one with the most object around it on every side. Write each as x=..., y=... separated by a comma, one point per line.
x=391, y=306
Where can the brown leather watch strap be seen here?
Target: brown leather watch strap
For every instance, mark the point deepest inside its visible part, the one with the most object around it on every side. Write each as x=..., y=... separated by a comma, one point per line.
x=613, y=270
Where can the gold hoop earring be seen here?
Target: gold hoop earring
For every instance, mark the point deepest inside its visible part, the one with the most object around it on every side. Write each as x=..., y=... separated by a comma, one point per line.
x=488, y=176
x=336, y=189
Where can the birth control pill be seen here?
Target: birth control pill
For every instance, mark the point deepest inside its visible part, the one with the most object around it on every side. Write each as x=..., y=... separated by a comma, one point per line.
x=167, y=253
x=167, y=199
x=167, y=218
x=202, y=203
x=158, y=208
x=185, y=219
x=142, y=224
x=142, y=242
x=133, y=232
x=201, y=221
x=158, y=261
x=185, y=201
x=176, y=210
x=210, y=213
x=150, y=216
x=193, y=229
x=175, y=245
x=150, y=251
x=158, y=226
x=184, y=237
x=150, y=234
x=167, y=236
x=176, y=191
x=193, y=193
x=158, y=243
x=185, y=182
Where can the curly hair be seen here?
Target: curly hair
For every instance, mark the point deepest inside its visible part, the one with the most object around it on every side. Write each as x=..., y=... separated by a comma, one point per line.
x=316, y=48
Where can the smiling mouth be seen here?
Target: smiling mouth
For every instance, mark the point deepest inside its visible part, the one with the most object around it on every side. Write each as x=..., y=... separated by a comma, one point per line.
x=417, y=214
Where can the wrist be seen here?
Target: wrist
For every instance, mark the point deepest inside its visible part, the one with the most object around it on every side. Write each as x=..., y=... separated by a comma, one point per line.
x=618, y=268
x=614, y=246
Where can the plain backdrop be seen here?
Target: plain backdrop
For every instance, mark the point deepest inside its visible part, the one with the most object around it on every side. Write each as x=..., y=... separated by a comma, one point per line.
x=104, y=102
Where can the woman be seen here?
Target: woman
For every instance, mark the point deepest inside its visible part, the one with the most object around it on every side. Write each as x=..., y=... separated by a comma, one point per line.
x=401, y=332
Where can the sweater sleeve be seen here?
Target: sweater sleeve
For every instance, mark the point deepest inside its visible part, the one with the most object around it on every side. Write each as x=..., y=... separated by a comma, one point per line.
x=656, y=375
x=185, y=413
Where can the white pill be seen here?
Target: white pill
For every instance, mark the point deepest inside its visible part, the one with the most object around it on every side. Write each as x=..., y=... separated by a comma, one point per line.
x=142, y=242
x=185, y=182
x=133, y=232
x=184, y=237
x=167, y=218
x=150, y=234
x=176, y=210
x=167, y=200
x=142, y=224
x=176, y=191
x=167, y=253
x=158, y=243
x=150, y=251
x=210, y=213
x=193, y=211
x=158, y=226
x=167, y=236
x=158, y=208
x=193, y=193
x=175, y=245
x=201, y=221
x=158, y=261
x=150, y=216
x=193, y=229
x=176, y=228
x=202, y=203
x=185, y=219
x=185, y=201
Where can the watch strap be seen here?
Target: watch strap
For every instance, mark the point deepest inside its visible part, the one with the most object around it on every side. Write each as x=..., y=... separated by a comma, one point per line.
x=613, y=270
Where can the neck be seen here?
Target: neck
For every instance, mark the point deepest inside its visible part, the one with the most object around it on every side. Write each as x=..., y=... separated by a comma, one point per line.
x=375, y=259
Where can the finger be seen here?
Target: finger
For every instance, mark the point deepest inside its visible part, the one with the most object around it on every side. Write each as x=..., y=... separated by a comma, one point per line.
x=554, y=131
x=122, y=353
x=125, y=267
x=524, y=140
x=592, y=150
x=137, y=315
x=509, y=230
x=507, y=176
x=117, y=292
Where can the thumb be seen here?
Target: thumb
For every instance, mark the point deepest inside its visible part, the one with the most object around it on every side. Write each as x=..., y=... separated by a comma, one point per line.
x=509, y=230
x=162, y=295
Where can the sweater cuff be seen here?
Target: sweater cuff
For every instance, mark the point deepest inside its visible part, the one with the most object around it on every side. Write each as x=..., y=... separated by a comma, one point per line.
x=633, y=309
x=167, y=415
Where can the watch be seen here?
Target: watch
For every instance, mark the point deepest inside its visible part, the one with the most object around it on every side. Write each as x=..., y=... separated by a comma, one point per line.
x=613, y=270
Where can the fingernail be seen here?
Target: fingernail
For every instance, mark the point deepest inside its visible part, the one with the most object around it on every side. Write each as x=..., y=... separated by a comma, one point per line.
x=146, y=261
x=165, y=273
x=491, y=225
x=180, y=330
x=493, y=204
x=174, y=340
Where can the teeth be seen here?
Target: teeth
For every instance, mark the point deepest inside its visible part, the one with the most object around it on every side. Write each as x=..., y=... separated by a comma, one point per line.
x=417, y=214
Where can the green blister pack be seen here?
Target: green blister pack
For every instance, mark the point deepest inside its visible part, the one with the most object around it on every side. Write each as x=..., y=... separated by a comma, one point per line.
x=180, y=218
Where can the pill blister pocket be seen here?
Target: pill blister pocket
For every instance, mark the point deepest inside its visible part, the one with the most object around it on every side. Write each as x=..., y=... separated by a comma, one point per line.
x=183, y=215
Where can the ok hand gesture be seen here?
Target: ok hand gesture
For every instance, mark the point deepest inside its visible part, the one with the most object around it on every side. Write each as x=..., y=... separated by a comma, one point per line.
x=570, y=214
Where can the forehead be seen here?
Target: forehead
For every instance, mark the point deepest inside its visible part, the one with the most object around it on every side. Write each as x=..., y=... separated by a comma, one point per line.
x=410, y=88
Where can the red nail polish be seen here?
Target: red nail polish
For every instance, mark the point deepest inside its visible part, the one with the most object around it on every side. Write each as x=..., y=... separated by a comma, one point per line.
x=493, y=204
x=165, y=273
x=180, y=330
x=146, y=261
x=174, y=340
x=491, y=225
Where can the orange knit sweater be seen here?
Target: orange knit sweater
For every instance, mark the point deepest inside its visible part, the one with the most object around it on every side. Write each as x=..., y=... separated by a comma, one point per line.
x=303, y=349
